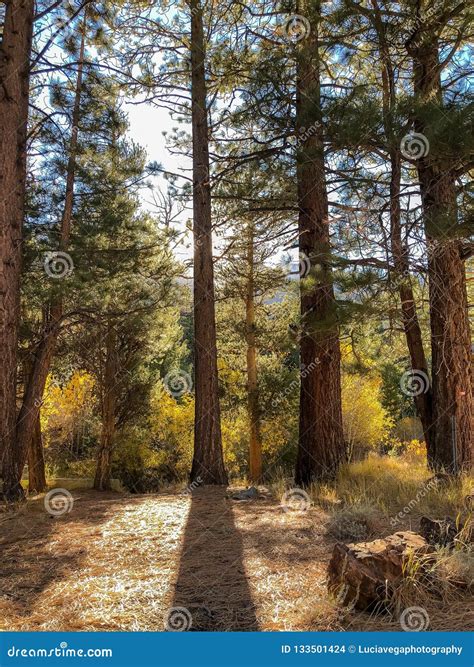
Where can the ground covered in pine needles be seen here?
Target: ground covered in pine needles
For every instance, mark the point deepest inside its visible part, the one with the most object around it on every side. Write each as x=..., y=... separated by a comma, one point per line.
x=121, y=562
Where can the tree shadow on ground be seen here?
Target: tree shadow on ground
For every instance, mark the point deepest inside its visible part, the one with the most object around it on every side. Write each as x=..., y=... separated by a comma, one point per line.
x=287, y=537
x=31, y=556
x=212, y=591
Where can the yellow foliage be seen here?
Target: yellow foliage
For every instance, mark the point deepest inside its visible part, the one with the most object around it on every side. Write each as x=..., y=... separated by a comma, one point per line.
x=64, y=406
x=416, y=449
x=276, y=434
x=172, y=426
x=366, y=423
x=228, y=376
x=133, y=452
x=350, y=358
x=234, y=434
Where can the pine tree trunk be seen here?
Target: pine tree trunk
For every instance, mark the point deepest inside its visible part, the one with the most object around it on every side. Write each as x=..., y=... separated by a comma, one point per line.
x=208, y=460
x=423, y=401
x=36, y=471
x=109, y=403
x=411, y=325
x=452, y=447
x=44, y=352
x=451, y=359
x=252, y=382
x=15, y=52
x=321, y=446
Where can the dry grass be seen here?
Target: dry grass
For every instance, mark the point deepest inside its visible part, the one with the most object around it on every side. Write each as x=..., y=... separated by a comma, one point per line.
x=119, y=562
x=356, y=523
x=388, y=486
x=382, y=495
x=108, y=565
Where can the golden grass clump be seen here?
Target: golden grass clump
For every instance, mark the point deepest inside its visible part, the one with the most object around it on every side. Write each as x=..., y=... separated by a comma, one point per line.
x=394, y=484
x=356, y=523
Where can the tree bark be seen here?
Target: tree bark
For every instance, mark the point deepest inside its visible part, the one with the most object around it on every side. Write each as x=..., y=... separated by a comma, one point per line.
x=411, y=325
x=36, y=471
x=208, y=460
x=450, y=332
x=45, y=349
x=15, y=54
x=253, y=407
x=36, y=468
x=321, y=446
x=109, y=404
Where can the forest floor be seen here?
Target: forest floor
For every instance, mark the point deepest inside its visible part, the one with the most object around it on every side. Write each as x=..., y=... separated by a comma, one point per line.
x=121, y=562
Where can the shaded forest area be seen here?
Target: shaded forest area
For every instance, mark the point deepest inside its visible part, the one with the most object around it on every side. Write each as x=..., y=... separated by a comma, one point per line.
x=287, y=313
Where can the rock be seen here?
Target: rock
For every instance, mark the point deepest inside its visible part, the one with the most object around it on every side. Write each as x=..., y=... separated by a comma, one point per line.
x=247, y=494
x=439, y=533
x=362, y=575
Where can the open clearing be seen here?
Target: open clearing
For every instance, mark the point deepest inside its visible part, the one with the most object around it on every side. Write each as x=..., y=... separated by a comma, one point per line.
x=117, y=562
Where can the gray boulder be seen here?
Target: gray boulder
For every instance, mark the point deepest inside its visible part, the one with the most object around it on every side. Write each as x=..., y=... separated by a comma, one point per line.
x=247, y=494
